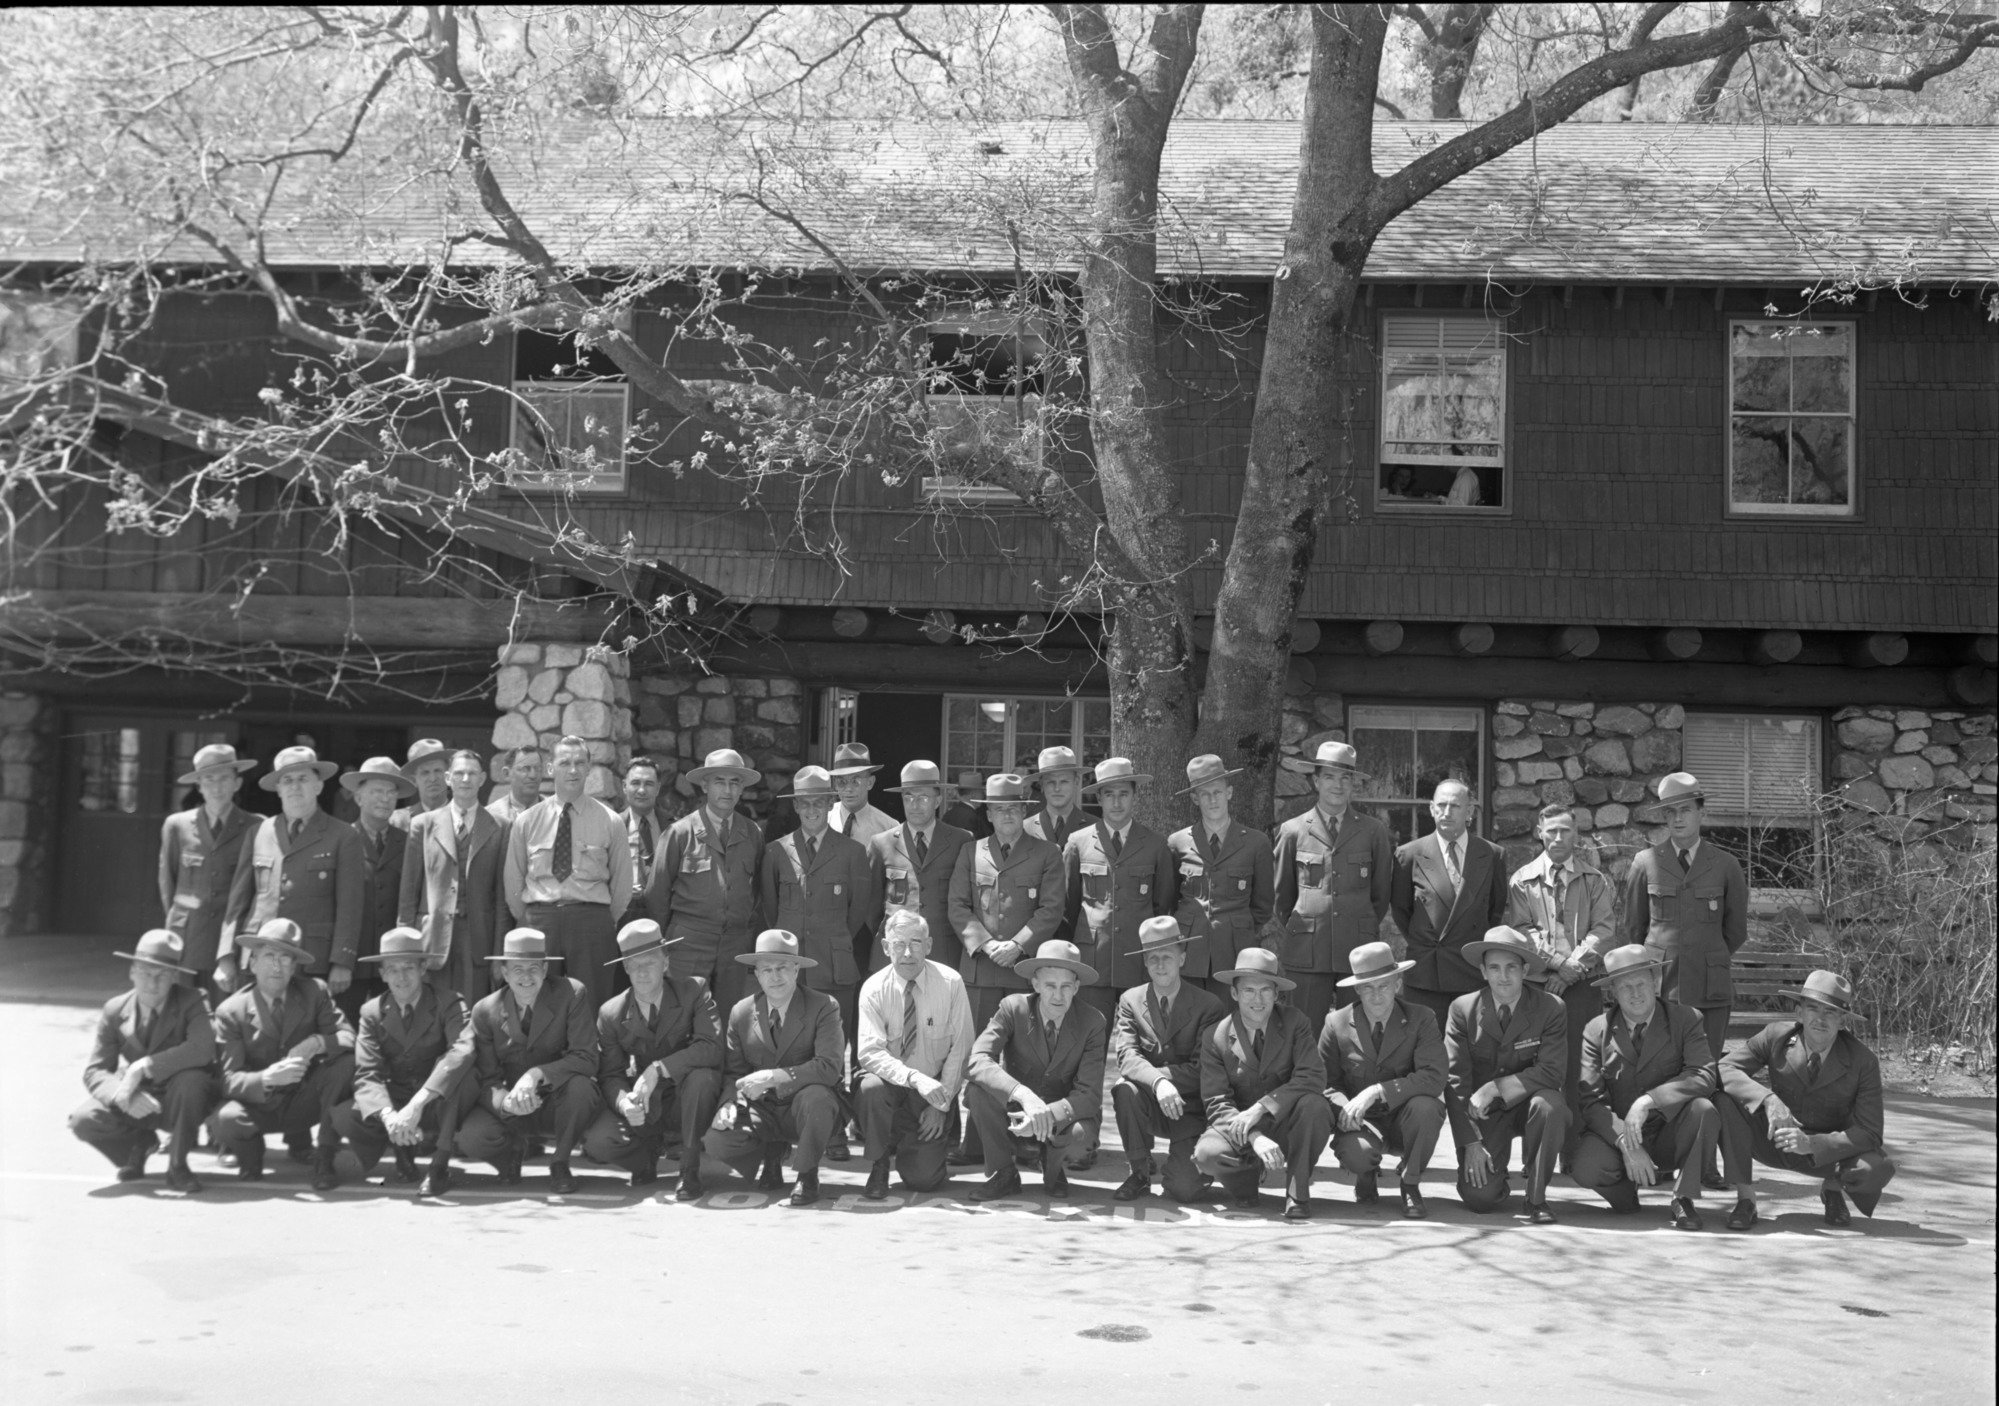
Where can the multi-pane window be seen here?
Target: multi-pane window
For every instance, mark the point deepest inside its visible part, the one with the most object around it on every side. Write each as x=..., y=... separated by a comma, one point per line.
x=1404, y=752
x=988, y=734
x=110, y=781
x=1761, y=777
x=570, y=408
x=1790, y=401
x=1443, y=413
x=984, y=388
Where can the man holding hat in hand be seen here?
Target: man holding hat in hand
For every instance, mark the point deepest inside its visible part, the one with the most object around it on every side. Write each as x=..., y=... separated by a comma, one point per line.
x=534, y=1064
x=703, y=889
x=1648, y=1080
x=1155, y=1048
x=425, y=767
x=910, y=865
x=782, y=1063
x=1059, y=775
x=1335, y=868
x=1118, y=873
x=1043, y=1054
x=199, y=849
x=150, y=1067
x=1385, y=1078
x=376, y=785
x=287, y=1057
x=1506, y=1046
x=659, y=1064
x=1820, y=1114
x=916, y=1036
x=1225, y=880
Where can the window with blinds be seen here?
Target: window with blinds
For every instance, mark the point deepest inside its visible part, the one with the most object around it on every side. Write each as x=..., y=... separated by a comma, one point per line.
x=1443, y=413
x=1755, y=767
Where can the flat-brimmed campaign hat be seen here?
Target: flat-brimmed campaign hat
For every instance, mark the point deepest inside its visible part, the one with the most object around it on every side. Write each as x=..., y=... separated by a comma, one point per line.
x=278, y=932
x=1202, y=770
x=157, y=948
x=1825, y=988
x=216, y=756
x=1115, y=769
x=725, y=762
x=296, y=759
x=1680, y=786
x=779, y=944
x=1057, y=759
x=1057, y=953
x=399, y=942
x=1504, y=939
x=1331, y=756
x=812, y=783
x=1373, y=961
x=1258, y=962
x=851, y=759
x=423, y=751
x=1632, y=957
x=923, y=774
x=524, y=945
x=1160, y=935
x=379, y=769
x=638, y=937
x=1002, y=788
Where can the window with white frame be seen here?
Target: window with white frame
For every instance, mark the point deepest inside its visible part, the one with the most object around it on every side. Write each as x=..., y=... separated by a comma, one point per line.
x=1762, y=778
x=988, y=733
x=1404, y=752
x=571, y=405
x=984, y=393
x=1443, y=414
x=1790, y=420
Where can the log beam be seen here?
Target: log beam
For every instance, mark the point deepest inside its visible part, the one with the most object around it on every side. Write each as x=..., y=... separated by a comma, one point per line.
x=1304, y=635
x=1471, y=640
x=1775, y=647
x=1572, y=642
x=1677, y=645
x=1383, y=636
x=1880, y=650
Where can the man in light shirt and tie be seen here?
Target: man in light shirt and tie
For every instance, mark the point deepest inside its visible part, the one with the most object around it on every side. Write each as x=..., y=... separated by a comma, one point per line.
x=569, y=873
x=916, y=1035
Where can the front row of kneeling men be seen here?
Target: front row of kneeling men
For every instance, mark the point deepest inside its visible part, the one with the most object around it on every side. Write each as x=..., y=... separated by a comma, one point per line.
x=1238, y=1096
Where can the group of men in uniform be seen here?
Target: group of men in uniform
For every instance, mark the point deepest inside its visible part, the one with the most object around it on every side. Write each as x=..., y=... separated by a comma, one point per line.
x=954, y=999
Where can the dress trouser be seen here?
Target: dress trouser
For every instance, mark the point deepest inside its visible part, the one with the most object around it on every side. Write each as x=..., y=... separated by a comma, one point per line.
x=466, y=970
x=1681, y=1141
x=1301, y=1131
x=438, y=1123
x=1746, y=1140
x=985, y=1003
x=709, y=951
x=998, y=1145
x=1540, y=1123
x=1410, y=1129
x=486, y=1135
x=1140, y=1119
x=1317, y=994
x=183, y=1100
x=294, y=1111
x=687, y=1103
x=586, y=939
x=888, y=1115
x=804, y=1123
x=1437, y=1003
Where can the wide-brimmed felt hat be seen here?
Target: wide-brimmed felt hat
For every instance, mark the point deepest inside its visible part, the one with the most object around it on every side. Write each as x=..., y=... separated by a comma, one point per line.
x=215, y=756
x=399, y=942
x=970, y=781
x=1627, y=960
x=777, y=943
x=296, y=759
x=725, y=761
x=1160, y=935
x=158, y=948
x=812, y=783
x=1057, y=953
x=278, y=932
x=1373, y=961
x=1115, y=769
x=638, y=937
x=1258, y=962
x=379, y=769
x=1825, y=988
x=1002, y=788
x=1331, y=756
x=423, y=751
x=1504, y=939
x=851, y=759
x=524, y=945
x=1679, y=786
x=1057, y=759
x=1201, y=770
x=921, y=774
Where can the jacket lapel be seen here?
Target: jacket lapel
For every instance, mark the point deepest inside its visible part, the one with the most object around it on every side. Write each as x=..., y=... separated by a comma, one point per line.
x=484, y=827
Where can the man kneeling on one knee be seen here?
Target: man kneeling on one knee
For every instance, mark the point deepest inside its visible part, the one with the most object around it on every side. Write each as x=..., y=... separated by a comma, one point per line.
x=1385, y=1077
x=1156, y=1048
x=916, y=1038
x=1647, y=1082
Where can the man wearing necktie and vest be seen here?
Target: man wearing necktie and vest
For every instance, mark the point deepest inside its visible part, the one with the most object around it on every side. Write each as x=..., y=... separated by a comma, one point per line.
x=1226, y=879
x=1450, y=886
x=703, y=889
x=1335, y=868
x=569, y=873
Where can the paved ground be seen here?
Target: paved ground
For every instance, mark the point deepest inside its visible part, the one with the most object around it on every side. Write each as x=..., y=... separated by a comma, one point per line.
x=124, y=1294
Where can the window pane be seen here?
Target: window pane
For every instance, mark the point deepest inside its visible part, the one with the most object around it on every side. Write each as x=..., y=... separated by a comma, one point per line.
x=1761, y=470
x=1759, y=365
x=1450, y=410
x=1095, y=742
x=1445, y=756
x=1821, y=368
x=1819, y=466
x=110, y=782
x=1388, y=757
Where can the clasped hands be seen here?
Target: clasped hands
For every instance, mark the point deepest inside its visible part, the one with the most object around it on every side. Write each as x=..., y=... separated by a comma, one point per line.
x=292, y=1068
x=523, y=1098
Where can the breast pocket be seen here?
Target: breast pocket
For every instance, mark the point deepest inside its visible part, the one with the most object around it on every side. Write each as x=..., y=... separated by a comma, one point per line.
x=895, y=885
x=1096, y=883
x=539, y=861
x=593, y=863
x=1354, y=875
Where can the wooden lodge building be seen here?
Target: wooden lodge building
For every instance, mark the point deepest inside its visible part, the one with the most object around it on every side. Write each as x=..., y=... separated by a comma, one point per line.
x=1619, y=498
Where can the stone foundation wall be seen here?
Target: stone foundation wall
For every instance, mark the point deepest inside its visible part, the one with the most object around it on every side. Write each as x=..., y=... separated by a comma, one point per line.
x=28, y=752
x=1605, y=761
x=1928, y=769
x=1309, y=719
x=548, y=691
x=683, y=717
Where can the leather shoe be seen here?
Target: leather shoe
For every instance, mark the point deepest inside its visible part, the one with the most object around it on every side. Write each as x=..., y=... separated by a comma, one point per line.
x=406, y=1166
x=1297, y=1208
x=837, y=1150
x=250, y=1164
x=509, y=1168
x=324, y=1178
x=1004, y=1182
x=299, y=1152
x=134, y=1165
x=1366, y=1189
x=1412, y=1202
x=1054, y=1176
x=561, y=1181
x=807, y=1189
x=771, y=1176
x=1835, y=1207
x=877, y=1187
x=1685, y=1216
x=1086, y=1161
x=1132, y=1187
x=1539, y=1214
x=1743, y=1216
x=646, y=1175
x=690, y=1188
x=1247, y=1200
x=1711, y=1180
x=959, y=1157
x=437, y=1180
x=181, y=1179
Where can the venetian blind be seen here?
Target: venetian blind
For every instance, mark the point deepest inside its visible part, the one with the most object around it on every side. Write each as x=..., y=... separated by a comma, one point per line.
x=1754, y=766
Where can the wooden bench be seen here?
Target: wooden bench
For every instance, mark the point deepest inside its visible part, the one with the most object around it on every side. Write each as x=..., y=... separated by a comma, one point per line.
x=1761, y=980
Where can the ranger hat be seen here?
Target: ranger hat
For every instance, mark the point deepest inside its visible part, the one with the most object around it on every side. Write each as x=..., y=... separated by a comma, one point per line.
x=1680, y=786
x=638, y=937
x=278, y=932
x=421, y=752
x=1204, y=769
x=399, y=942
x=1505, y=939
x=1825, y=988
x=158, y=948
x=1115, y=769
x=215, y=756
x=1002, y=788
x=812, y=783
x=1056, y=759
x=1630, y=958
x=1373, y=961
x=724, y=762
x=776, y=943
x=1065, y=956
x=379, y=769
x=296, y=759
x=1258, y=962
x=922, y=774
x=1331, y=756
x=524, y=945
x=1160, y=935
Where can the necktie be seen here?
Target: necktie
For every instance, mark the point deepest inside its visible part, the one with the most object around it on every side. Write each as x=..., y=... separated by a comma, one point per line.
x=908, y=1019
x=1505, y=1014
x=1378, y=1034
x=143, y=1027
x=292, y=827
x=776, y=1024
x=809, y=848
x=1558, y=921
x=527, y=1021
x=922, y=850
x=1165, y=1010
x=1333, y=824
x=1685, y=862
x=562, y=862
x=1638, y=1036
x=1214, y=840
x=645, y=839
x=464, y=827
x=278, y=1011
x=1256, y=1046
x=1811, y=1068
x=1451, y=866
x=1005, y=850
x=1117, y=845
x=1049, y=1030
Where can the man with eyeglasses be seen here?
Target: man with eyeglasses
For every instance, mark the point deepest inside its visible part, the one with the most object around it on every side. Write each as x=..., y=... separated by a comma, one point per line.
x=916, y=1036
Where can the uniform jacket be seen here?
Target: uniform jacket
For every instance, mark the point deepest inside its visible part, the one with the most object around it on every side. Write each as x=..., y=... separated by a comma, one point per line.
x=393, y=1058
x=320, y=883
x=825, y=902
x=1586, y=920
x=1013, y=1050
x=1232, y=1078
x=1108, y=898
x=562, y=1044
x=382, y=891
x=251, y=1040
x=1438, y=919
x=1226, y=893
x=1696, y=920
x=197, y=868
x=1044, y=826
x=684, y=1035
x=706, y=883
x=1411, y=1059
x=810, y=1049
x=1675, y=1066
x=900, y=882
x=1145, y=1049
x=1845, y=1099
x=998, y=901
x=181, y=1038
x=1331, y=897
x=442, y=888
x=1533, y=1047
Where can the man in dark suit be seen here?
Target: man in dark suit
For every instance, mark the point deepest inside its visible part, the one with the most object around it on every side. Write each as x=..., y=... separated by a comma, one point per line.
x=782, y=1065
x=1334, y=867
x=199, y=849
x=425, y=766
x=1450, y=886
x=1648, y=1081
x=1155, y=1048
x=1385, y=1078
x=911, y=865
x=1506, y=1046
x=534, y=1064
x=1117, y=873
x=411, y=1056
x=1225, y=877
x=1821, y=1113
x=287, y=1058
x=150, y=1067
x=376, y=785
x=453, y=884
x=659, y=1064
x=1042, y=1053
x=954, y=810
